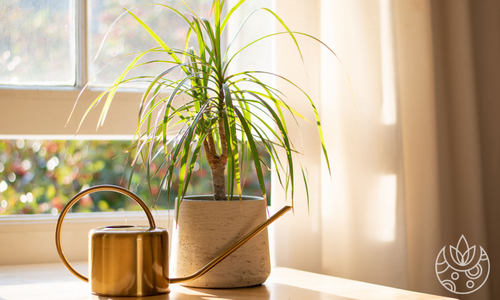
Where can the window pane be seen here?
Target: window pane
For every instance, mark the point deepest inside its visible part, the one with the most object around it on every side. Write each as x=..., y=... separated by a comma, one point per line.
x=128, y=36
x=41, y=177
x=37, y=42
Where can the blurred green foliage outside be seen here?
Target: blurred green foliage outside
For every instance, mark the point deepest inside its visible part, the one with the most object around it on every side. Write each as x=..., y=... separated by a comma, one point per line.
x=41, y=177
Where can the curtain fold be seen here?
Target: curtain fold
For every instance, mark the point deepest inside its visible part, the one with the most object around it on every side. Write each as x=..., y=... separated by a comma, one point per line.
x=485, y=25
x=416, y=80
x=442, y=104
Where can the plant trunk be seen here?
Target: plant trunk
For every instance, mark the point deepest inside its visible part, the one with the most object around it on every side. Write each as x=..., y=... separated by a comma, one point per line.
x=218, y=181
x=217, y=163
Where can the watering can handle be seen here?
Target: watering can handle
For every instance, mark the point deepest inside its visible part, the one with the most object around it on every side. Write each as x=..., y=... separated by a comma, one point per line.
x=97, y=188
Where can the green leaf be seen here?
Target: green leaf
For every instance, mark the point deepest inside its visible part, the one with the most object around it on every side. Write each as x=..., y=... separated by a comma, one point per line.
x=185, y=154
x=286, y=141
x=158, y=40
x=168, y=105
x=230, y=13
x=235, y=164
x=269, y=146
x=194, y=157
x=153, y=83
x=112, y=92
x=307, y=187
x=254, y=151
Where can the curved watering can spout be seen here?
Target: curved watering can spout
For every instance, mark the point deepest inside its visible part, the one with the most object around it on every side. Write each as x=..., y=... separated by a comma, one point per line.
x=233, y=248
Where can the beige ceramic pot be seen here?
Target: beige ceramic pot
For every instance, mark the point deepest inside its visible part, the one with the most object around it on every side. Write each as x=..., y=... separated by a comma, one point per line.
x=206, y=228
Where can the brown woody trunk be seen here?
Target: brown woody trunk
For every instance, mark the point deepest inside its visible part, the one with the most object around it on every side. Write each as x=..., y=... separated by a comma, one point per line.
x=219, y=182
x=217, y=163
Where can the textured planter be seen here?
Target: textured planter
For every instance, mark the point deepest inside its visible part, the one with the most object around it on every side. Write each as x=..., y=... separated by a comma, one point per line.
x=206, y=228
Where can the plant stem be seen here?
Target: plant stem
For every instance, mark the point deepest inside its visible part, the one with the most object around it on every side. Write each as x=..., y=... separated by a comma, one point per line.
x=217, y=162
x=218, y=181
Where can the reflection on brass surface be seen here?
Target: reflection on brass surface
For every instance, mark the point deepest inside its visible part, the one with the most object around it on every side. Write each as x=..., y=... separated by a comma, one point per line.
x=133, y=260
x=128, y=261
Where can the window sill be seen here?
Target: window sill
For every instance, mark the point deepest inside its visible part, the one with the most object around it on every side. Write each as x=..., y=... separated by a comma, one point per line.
x=28, y=239
x=76, y=218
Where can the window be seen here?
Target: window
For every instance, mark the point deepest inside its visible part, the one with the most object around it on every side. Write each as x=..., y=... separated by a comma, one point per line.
x=127, y=36
x=39, y=50
x=36, y=98
x=39, y=176
x=42, y=50
x=45, y=60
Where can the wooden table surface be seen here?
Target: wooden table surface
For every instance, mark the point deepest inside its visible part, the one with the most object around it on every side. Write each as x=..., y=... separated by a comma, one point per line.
x=53, y=281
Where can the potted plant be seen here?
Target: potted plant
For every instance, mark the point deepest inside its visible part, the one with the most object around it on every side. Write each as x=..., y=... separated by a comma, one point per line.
x=218, y=117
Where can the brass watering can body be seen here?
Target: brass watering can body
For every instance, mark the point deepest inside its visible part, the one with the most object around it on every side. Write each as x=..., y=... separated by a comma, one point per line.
x=132, y=260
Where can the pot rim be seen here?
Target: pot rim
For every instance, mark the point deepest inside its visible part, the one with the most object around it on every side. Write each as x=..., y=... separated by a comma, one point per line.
x=210, y=198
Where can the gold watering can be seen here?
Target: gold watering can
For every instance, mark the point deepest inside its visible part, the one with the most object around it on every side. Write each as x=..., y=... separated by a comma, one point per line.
x=130, y=260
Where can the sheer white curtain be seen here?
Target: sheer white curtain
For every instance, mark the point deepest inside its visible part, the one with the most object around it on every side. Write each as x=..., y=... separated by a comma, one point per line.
x=363, y=202
x=414, y=150
x=353, y=226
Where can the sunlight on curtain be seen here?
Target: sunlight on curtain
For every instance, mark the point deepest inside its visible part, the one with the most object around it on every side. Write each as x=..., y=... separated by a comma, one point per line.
x=298, y=234
x=362, y=204
x=386, y=229
x=388, y=67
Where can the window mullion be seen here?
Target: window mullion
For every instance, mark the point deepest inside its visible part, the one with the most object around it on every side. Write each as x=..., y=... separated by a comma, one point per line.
x=81, y=44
